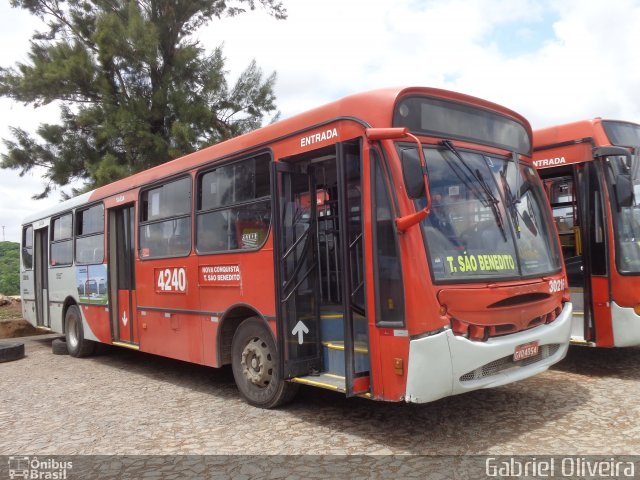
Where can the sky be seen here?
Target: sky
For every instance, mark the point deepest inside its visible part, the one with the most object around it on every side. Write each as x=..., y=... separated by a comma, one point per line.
x=552, y=61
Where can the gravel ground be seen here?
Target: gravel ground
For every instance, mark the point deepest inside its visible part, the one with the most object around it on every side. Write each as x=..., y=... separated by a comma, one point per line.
x=125, y=402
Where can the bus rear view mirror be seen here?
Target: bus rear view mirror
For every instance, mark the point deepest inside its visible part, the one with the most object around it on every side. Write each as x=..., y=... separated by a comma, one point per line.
x=624, y=190
x=407, y=221
x=412, y=173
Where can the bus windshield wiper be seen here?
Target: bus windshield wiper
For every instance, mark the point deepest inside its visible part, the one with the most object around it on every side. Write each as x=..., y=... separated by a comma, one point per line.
x=490, y=199
x=511, y=201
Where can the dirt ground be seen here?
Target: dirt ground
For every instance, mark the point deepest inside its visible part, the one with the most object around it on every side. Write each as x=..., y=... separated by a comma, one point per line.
x=12, y=324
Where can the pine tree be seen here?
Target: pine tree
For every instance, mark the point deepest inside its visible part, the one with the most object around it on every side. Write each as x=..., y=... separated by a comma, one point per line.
x=134, y=89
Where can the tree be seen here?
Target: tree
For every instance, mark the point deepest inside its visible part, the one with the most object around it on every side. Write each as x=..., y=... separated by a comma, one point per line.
x=135, y=89
x=9, y=268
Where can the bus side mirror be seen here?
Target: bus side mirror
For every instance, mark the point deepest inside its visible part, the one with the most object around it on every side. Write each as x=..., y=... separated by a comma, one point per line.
x=406, y=222
x=624, y=190
x=412, y=173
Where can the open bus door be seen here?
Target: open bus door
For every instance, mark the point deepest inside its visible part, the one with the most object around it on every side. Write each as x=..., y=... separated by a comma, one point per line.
x=297, y=297
x=41, y=276
x=587, y=263
x=121, y=269
x=596, y=273
x=577, y=199
x=322, y=324
x=356, y=328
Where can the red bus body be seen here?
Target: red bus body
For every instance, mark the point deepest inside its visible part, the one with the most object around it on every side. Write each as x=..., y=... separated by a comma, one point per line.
x=598, y=234
x=408, y=337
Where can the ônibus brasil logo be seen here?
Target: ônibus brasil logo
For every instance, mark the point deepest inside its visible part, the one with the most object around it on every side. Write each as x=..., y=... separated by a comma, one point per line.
x=36, y=469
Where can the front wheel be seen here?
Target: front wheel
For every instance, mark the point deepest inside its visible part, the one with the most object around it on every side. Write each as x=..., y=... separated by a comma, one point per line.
x=77, y=346
x=255, y=366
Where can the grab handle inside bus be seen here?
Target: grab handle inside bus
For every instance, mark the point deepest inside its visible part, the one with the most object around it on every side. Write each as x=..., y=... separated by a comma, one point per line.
x=413, y=190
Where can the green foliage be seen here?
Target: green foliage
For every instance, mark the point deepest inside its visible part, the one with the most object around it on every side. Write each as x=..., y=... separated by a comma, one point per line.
x=9, y=268
x=135, y=90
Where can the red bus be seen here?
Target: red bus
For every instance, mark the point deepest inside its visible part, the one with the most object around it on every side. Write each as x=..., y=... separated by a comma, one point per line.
x=395, y=244
x=591, y=174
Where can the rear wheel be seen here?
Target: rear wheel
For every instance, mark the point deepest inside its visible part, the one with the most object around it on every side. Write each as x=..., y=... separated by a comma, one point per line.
x=77, y=346
x=255, y=366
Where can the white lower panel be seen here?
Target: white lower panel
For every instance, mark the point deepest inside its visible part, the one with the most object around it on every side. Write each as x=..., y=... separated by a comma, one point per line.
x=436, y=363
x=626, y=326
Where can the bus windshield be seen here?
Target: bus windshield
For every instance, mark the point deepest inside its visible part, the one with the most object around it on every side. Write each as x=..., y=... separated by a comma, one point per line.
x=626, y=223
x=488, y=218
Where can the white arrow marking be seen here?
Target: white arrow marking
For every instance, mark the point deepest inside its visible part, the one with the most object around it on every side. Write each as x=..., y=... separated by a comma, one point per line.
x=124, y=318
x=300, y=329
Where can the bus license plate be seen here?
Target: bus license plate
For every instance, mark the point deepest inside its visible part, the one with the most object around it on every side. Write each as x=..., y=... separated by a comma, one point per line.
x=526, y=351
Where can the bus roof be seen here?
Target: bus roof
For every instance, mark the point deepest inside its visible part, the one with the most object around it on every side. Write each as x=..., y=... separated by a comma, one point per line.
x=373, y=109
x=77, y=201
x=591, y=130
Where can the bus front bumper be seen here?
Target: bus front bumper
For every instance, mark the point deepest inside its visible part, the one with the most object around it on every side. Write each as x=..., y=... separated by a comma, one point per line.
x=446, y=364
x=626, y=326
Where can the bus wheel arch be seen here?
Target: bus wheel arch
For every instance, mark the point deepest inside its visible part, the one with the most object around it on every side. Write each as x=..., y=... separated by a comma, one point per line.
x=229, y=323
x=68, y=302
x=77, y=345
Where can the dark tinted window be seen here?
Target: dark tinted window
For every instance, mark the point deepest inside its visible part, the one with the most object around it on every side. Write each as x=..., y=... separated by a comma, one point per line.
x=234, y=207
x=597, y=225
x=27, y=247
x=165, y=220
x=453, y=120
x=623, y=134
x=389, y=291
x=90, y=220
x=90, y=235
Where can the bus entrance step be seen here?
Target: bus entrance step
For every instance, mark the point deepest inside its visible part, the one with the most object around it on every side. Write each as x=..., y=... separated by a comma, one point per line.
x=333, y=353
x=332, y=326
x=324, y=380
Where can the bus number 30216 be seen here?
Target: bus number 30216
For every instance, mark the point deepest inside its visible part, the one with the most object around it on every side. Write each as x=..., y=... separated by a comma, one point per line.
x=171, y=280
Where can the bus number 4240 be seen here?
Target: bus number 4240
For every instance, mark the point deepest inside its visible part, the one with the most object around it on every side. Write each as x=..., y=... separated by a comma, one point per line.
x=171, y=280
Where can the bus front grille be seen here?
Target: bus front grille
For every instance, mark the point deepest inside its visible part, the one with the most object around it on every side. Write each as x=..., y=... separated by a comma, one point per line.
x=506, y=363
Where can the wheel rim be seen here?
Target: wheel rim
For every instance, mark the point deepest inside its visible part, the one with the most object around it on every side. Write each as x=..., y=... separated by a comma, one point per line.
x=257, y=362
x=73, y=334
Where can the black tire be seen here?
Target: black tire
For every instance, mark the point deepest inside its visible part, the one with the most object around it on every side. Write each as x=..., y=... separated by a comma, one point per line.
x=255, y=366
x=74, y=333
x=59, y=347
x=11, y=351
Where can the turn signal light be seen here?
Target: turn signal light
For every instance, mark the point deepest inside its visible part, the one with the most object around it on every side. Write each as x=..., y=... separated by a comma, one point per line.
x=637, y=309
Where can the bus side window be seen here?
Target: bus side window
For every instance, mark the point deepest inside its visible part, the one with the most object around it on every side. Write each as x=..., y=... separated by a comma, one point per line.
x=61, y=241
x=90, y=235
x=388, y=274
x=562, y=196
x=27, y=247
x=165, y=220
x=597, y=224
x=234, y=206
